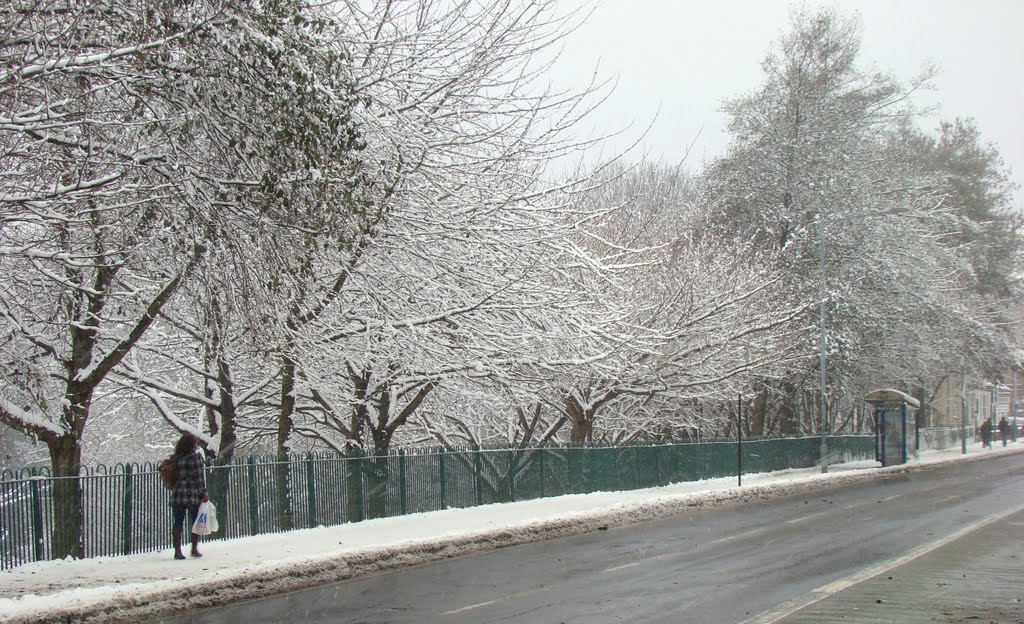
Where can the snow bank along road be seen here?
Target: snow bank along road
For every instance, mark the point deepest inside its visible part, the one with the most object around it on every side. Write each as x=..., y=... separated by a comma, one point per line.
x=152, y=585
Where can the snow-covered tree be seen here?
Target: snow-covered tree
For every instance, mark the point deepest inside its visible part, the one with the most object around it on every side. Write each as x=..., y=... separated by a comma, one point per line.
x=136, y=147
x=971, y=321
x=807, y=174
x=268, y=92
x=879, y=222
x=704, y=310
x=441, y=265
x=976, y=187
x=91, y=200
x=468, y=258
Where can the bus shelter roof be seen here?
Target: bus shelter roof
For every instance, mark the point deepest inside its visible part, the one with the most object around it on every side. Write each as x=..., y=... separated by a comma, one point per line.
x=889, y=397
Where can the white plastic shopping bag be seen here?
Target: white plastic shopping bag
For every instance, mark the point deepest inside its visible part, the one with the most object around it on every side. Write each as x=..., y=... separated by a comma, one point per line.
x=206, y=520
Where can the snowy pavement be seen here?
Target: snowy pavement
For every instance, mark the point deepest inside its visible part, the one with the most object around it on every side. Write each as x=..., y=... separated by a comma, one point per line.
x=138, y=587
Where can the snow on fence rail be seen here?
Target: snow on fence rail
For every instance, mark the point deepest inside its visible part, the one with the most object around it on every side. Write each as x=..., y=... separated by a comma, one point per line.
x=127, y=511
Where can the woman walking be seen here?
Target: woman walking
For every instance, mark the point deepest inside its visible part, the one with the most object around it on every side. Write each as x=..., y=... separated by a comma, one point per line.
x=189, y=490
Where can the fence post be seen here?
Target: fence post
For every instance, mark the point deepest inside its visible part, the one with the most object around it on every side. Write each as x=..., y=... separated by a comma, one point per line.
x=360, y=476
x=311, y=491
x=126, y=506
x=542, y=453
x=254, y=514
x=636, y=464
x=477, y=469
x=441, y=479
x=402, y=505
x=511, y=477
x=591, y=473
x=37, y=518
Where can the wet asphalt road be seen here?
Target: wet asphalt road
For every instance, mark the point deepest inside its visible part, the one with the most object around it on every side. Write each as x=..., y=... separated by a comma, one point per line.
x=975, y=578
x=762, y=561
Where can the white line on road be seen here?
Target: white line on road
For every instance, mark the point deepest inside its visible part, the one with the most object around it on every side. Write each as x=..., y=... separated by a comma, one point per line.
x=788, y=608
x=517, y=595
x=739, y=536
x=470, y=607
x=806, y=518
x=623, y=566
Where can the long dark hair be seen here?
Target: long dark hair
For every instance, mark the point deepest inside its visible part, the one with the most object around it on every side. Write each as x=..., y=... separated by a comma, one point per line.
x=186, y=444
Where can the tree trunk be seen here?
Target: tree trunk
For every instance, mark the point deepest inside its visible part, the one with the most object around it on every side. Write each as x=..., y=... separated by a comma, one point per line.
x=217, y=486
x=282, y=473
x=354, y=511
x=377, y=471
x=354, y=486
x=758, y=409
x=68, y=525
x=66, y=462
x=582, y=420
x=789, y=412
x=377, y=468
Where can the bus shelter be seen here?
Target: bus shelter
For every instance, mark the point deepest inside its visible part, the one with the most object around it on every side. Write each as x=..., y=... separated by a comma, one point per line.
x=895, y=417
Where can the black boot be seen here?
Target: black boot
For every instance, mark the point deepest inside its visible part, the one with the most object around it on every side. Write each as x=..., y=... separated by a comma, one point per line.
x=195, y=546
x=177, y=544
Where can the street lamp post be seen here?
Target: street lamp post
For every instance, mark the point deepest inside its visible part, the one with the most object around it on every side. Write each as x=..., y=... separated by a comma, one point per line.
x=821, y=345
x=963, y=408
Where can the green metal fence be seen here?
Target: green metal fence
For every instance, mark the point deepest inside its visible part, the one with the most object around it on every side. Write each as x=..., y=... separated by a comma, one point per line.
x=126, y=507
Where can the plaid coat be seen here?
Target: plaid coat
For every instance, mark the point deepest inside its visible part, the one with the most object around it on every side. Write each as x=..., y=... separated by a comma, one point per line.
x=190, y=487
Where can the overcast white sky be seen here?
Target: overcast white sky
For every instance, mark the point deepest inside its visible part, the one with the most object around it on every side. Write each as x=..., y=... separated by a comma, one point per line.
x=678, y=59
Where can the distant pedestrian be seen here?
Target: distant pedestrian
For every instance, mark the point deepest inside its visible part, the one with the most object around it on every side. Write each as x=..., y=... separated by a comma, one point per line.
x=189, y=490
x=1004, y=430
x=986, y=433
